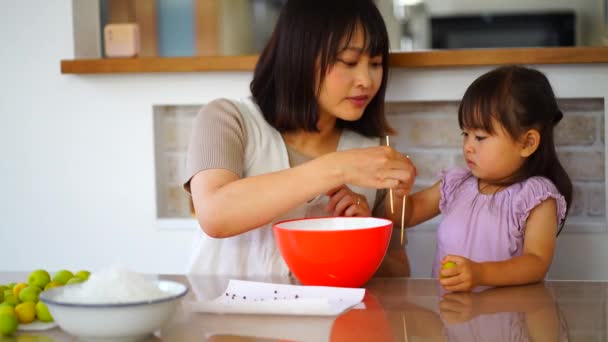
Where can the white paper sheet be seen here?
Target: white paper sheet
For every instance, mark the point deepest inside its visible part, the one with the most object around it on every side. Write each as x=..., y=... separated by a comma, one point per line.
x=248, y=297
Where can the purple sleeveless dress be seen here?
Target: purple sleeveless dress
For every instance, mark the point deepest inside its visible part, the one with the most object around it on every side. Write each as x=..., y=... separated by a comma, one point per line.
x=484, y=227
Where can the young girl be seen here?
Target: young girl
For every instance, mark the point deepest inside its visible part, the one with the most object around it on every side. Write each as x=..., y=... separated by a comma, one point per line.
x=502, y=214
x=306, y=143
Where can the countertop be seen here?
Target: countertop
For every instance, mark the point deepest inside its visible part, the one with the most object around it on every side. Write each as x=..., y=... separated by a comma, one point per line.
x=400, y=309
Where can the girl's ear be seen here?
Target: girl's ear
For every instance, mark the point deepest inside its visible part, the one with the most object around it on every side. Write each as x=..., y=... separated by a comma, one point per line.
x=530, y=141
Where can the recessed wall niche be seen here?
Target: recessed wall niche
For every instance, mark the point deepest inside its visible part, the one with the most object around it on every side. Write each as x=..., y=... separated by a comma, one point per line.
x=429, y=133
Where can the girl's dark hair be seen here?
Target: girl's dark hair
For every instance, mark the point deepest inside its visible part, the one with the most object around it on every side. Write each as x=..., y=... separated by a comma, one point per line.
x=519, y=99
x=305, y=43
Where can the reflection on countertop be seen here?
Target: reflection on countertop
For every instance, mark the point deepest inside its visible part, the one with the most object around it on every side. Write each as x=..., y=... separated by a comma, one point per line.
x=418, y=310
x=399, y=309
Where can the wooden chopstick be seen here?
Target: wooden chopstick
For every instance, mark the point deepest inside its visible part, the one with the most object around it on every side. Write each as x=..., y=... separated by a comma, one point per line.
x=403, y=217
x=405, y=338
x=403, y=212
x=390, y=191
x=402, y=204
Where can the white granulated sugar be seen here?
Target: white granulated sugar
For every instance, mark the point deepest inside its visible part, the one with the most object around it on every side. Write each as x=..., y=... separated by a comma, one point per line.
x=112, y=285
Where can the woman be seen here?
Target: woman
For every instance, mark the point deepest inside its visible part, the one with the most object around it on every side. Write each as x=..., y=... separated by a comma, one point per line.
x=305, y=144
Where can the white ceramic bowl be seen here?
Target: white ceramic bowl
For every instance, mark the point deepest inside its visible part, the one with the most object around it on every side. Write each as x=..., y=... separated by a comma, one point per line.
x=128, y=321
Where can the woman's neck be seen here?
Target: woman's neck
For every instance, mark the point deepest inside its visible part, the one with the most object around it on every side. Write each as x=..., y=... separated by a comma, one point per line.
x=315, y=144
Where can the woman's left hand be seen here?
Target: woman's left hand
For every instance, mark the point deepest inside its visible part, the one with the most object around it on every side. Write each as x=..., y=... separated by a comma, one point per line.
x=462, y=277
x=345, y=202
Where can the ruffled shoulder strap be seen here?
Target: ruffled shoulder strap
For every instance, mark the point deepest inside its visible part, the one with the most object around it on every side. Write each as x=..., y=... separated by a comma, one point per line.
x=534, y=191
x=451, y=180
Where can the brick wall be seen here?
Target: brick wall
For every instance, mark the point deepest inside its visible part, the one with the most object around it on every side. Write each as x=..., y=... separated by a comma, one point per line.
x=172, y=125
x=429, y=133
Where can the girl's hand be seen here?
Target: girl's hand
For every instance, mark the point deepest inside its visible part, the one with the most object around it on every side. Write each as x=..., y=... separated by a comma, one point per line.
x=380, y=167
x=462, y=277
x=458, y=307
x=345, y=202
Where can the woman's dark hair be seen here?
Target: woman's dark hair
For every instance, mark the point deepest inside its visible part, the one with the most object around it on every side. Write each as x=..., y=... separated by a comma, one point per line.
x=519, y=99
x=311, y=33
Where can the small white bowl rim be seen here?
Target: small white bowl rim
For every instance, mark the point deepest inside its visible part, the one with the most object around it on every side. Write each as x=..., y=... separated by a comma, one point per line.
x=182, y=292
x=382, y=223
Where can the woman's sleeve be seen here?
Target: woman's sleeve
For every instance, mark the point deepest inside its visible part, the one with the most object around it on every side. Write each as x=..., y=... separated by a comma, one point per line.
x=217, y=141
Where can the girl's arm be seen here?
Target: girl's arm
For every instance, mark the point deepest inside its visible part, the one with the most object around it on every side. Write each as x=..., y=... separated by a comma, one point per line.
x=226, y=205
x=530, y=267
x=535, y=301
x=464, y=306
x=544, y=324
x=539, y=245
x=419, y=207
x=395, y=262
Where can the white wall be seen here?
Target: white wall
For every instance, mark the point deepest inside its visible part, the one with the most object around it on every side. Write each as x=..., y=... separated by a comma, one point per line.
x=76, y=153
x=77, y=168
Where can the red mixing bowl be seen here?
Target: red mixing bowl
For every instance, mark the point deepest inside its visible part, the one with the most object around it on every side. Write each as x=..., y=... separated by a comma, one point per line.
x=333, y=251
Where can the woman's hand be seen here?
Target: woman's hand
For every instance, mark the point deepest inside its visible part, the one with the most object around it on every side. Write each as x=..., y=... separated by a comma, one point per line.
x=402, y=189
x=380, y=167
x=345, y=202
x=462, y=277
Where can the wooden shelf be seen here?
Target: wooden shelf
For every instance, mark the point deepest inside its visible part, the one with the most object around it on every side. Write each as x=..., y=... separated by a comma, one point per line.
x=422, y=59
x=158, y=64
x=480, y=57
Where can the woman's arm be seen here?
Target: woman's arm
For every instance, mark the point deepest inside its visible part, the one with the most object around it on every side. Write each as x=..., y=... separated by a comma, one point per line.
x=226, y=205
x=530, y=267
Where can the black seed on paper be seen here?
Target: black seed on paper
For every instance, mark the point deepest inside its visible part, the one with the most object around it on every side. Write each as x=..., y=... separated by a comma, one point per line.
x=275, y=291
x=275, y=298
x=226, y=294
x=244, y=297
x=296, y=296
